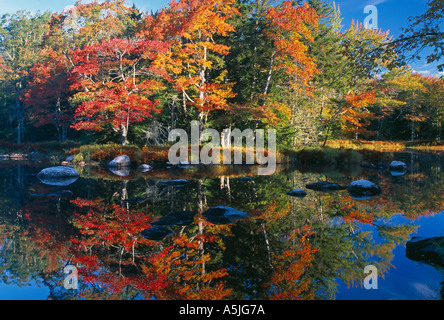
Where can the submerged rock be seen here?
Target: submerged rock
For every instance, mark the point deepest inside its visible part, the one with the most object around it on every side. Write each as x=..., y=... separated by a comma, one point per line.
x=325, y=186
x=363, y=189
x=122, y=161
x=178, y=218
x=224, y=215
x=156, y=233
x=427, y=250
x=58, y=176
x=300, y=193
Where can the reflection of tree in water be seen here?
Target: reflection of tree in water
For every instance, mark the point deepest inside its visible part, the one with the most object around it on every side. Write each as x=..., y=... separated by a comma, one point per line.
x=289, y=248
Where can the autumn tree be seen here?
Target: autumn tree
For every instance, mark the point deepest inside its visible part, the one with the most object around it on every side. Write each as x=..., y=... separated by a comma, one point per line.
x=424, y=32
x=21, y=35
x=115, y=81
x=195, y=66
x=269, y=63
x=362, y=59
x=47, y=95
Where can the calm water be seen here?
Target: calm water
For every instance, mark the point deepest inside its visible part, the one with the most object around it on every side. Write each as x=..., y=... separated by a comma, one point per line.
x=315, y=247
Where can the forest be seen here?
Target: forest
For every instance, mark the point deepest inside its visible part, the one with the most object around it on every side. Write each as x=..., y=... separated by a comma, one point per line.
x=102, y=73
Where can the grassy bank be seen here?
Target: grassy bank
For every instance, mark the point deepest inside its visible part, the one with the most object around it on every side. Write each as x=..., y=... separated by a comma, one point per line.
x=336, y=152
x=101, y=154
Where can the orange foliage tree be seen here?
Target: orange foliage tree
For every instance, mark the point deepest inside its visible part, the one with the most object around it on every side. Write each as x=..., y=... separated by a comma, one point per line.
x=112, y=84
x=191, y=28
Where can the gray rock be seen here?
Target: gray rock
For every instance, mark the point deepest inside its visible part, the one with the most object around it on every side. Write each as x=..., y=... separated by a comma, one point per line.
x=398, y=166
x=122, y=161
x=363, y=189
x=300, y=193
x=144, y=167
x=58, y=176
x=69, y=158
x=325, y=186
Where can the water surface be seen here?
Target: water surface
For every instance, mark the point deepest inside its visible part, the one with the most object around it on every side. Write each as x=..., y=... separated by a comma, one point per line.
x=275, y=246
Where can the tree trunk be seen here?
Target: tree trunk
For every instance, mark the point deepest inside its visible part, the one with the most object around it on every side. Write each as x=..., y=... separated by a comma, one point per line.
x=124, y=135
x=270, y=71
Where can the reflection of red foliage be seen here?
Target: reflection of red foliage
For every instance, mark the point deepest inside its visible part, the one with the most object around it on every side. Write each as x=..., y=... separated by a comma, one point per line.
x=120, y=226
x=288, y=280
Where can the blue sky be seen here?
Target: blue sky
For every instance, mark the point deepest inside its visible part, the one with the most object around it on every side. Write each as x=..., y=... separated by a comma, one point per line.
x=392, y=14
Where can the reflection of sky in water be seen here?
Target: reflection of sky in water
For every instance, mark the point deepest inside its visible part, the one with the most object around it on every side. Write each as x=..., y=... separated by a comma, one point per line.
x=33, y=291
x=408, y=280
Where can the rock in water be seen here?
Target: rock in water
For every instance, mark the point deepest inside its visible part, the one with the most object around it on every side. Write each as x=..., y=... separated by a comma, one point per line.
x=427, y=250
x=122, y=161
x=121, y=172
x=398, y=168
x=224, y=215
x=58, y=176
x=325, y=186
x=144, y=167
x=178, y=218
x=300, y=193
x=363, y=189
x=156, y=233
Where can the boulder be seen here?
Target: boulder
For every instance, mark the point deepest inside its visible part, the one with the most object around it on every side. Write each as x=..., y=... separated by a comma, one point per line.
x=398, y=168
x=363, y=189
x=58, y=176
x=325, y=186
x=426, y=250
x=144, y=167
x=224, y=215
x=300, y=193
x=122, y=161
x=69, y=159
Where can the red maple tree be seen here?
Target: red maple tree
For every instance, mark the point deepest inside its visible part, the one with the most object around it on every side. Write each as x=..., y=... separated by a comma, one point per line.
x=115, y=81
